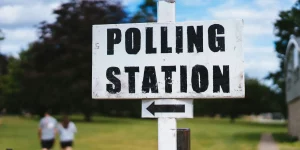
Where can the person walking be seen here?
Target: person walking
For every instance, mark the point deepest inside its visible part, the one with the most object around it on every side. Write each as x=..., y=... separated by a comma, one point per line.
x=66, y=130
x=47, y=131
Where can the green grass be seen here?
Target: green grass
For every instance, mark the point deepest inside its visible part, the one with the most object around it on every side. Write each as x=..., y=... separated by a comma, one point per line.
x=141, y=134
x=286, y=142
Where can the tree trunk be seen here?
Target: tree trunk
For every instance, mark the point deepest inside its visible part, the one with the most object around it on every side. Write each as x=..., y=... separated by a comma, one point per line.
x=232, y=118
x=87, y=117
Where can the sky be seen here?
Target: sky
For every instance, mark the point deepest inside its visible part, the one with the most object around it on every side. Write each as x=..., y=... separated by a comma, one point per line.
x=19, y=18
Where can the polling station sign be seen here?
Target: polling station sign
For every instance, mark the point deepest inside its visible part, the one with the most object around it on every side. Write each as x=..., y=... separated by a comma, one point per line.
x=168, y=60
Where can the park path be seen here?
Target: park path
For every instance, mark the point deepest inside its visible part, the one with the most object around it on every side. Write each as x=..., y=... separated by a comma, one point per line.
x=267, y=142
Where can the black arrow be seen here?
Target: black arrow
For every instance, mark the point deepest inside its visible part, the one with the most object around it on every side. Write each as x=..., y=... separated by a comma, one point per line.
x=165, y=108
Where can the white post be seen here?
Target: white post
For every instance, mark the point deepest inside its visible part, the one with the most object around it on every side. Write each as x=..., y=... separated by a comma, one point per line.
x=167, y=137
x=167, y=134
x=166, y=11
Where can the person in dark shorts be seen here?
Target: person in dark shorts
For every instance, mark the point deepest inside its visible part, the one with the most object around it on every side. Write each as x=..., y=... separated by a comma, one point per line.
x=47, y=131
x=47, y=144
x=66, y=130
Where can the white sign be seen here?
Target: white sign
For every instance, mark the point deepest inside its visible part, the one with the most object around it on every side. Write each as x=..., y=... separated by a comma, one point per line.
x=168, y=60
x=167, y=108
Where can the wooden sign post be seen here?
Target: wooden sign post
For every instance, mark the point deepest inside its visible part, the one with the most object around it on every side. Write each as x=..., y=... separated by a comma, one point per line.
x=167, y=126
x=168, y=64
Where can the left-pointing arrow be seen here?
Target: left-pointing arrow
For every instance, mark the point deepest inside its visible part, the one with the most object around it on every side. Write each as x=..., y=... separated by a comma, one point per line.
x=166, y=108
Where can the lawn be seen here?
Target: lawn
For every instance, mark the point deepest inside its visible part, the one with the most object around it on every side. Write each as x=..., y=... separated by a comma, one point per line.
x=141, y=134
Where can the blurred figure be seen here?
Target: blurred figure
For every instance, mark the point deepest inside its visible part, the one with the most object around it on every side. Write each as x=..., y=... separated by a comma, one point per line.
x=47, y=131
x=66, y=130
x=3, y=111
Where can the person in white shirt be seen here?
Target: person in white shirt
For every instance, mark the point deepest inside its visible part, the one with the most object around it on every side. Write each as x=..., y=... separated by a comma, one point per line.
x=47, y=131
x=66, y=130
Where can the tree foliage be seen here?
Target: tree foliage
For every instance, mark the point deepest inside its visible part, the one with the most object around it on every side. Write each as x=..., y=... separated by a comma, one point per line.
x=259, y=98
x=3, y=70
x=55, y=72
x=57, y=67
x=10, y=86
x=1, y=35
x=288, y=24
x=147, y=12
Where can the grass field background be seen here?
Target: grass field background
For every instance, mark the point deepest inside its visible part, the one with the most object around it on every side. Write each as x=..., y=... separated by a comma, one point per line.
x=141, y=134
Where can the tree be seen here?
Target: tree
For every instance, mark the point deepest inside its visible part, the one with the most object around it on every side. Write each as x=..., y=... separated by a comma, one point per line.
x=9, y=86
x=287, y=25
x=57, y=67
x=3, y=58
x=55, y=71
x=3, y=64
x=147, y=12
x=258, y=99
x=3, y=69
x=1, y=35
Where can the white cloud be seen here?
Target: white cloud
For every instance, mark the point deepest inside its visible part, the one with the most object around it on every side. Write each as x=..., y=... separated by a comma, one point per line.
x=259, y=61
x=258, y=16
x=10, y=49
x=257, y=29
x=17, y=39
x=26, y=2
x=26, y=15
x=246, y=13
x=260, y=69
x=20, y=34
x=194, y=2
x=17, y=20
x=266, y=3
x=262, y=49
x=8, y=14
x=283, y=4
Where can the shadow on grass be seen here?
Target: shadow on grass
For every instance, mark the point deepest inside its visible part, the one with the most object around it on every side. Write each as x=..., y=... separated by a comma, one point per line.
x=227, y=121
x=257, y=124
x=247, y=136
x=279, y=137
x=282, y=137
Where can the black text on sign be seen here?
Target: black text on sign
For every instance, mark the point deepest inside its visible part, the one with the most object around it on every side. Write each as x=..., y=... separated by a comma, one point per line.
x=176, y=60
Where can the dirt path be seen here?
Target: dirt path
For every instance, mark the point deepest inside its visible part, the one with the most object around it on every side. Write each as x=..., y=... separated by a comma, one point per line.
x=267, y=142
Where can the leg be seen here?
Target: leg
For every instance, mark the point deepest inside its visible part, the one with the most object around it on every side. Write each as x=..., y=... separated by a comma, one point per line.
x=68, y=148
x=44, y=145
x=62, y=146
x=51, y=144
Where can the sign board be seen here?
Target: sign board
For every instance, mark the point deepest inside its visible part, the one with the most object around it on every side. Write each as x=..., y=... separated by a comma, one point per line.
x=292, y=69
x=182, y=108
x=168, y=60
